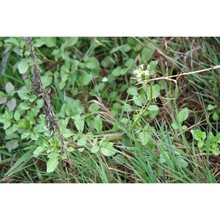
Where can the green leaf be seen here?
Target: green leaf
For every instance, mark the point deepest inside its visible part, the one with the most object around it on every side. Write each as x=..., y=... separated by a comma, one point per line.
x=118, y=71
x=152, y=67
x=124, y=48
x=133, y=91
x=24, y=106
x=11, y=145
x=95, y=149
x=200, y=144
x=147, y=53
x=94, y=107
x=11, y=104
x=107, y=149
x=7, y=124
x=25, y=134
x=129, y=63
x=144, y=137
x=85, y=78
x=198, y=134
x=39, y=151
x=17, y=115
x=153, y=111
x=23, y=66
x=215, y=116
x=69, y=41
x=98, y=124
x=107, y=62
x=3, y=98
x=47, y=80
x=153, y=91
x=183, y=115
x=52, y=164
x=210, y=107
x=79, y=122
x=181, y=162
x=12, y=40
x=23, y=95
x=92, y=63
x=48, y=41
x=9, y=88
x=40, y=103
x=82, y=142
x=139, y=100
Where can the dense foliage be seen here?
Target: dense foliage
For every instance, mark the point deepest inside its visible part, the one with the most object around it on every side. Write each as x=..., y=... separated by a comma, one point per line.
x=104, y=109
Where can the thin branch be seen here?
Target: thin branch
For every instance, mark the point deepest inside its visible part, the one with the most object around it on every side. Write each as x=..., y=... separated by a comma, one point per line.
x=38, y=88
x=184, y=74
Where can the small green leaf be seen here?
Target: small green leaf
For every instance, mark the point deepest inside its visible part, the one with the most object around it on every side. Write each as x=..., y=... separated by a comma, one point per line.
x=11, y=104
x=129, y=63
x=152, y=67
x=92, y=63
x=7, y=124
x=82, y=142
x=3, y=98
x=200, y=144
x=98, y=124
x=198, y=134
x=153, y=91
x=133, y=91
x=118, y=71
x=153, y=111
x=144, y=137
x=69, y=41
x=17, y=115
x=215, y=116
x=23, y=95
x=12, y=40
x=52, y=164
x=181, y=162
x=25, y=135
x=85, y=78
x=210, y=107
x=139, y=100
x=11, y=145
x=39, y=151
x=95, y=149
x=79, y=122
x=147, y=54
x=23, y=66
x=107, y=149
x=94, y=107
x=40, y=103
x=47, y=80
x=9, y=88
x=183, y=115
x=24, y=106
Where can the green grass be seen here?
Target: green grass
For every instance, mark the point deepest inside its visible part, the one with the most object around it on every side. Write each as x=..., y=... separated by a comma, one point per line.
x=174, y=156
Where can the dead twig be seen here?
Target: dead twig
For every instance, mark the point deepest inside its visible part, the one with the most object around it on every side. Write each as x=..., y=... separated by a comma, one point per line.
x=39, y=89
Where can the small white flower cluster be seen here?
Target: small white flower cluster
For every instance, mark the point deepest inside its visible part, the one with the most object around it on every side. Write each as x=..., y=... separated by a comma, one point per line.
x=140, y=73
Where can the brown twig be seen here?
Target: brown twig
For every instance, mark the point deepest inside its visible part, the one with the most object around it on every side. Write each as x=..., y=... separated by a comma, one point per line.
x=183, y=74
x=38, y=88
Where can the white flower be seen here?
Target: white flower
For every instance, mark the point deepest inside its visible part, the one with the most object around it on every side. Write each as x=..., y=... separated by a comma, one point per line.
x=104, y=79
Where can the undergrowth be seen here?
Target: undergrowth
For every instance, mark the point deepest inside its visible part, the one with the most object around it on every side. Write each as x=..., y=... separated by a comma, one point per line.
x=109, y=110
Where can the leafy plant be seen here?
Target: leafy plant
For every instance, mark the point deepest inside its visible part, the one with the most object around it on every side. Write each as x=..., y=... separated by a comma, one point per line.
x=207, y=143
